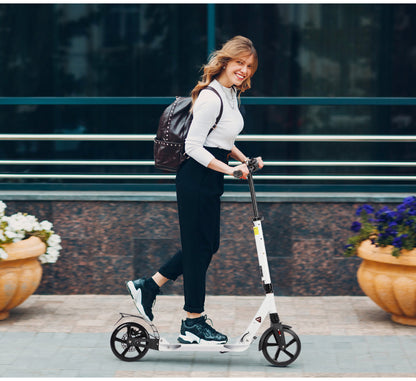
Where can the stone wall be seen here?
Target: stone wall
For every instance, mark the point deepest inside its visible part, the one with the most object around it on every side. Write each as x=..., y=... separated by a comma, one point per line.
x=106, y=243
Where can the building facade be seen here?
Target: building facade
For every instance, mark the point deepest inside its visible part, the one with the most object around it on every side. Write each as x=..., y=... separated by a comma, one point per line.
x=331, y=110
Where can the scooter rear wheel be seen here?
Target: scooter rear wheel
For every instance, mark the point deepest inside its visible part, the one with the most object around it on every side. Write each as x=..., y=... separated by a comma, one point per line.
x=130, y=341
x=275, y=353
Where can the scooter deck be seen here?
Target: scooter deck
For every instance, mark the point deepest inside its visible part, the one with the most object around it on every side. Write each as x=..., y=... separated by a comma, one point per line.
x=165, y=346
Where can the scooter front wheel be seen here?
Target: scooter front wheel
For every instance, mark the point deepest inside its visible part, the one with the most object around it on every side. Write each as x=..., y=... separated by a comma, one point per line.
x=277, y=351
x=130, y=341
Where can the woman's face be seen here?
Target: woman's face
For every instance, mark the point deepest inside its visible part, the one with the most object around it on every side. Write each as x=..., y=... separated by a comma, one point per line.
x=237, y=71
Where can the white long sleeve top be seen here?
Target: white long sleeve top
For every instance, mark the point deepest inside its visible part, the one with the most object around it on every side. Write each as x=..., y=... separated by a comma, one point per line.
x=205, y=111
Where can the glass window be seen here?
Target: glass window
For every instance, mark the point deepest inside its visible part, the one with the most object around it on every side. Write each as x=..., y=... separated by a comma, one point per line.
x=157, y=50
x=101, y=49
x=327, y=50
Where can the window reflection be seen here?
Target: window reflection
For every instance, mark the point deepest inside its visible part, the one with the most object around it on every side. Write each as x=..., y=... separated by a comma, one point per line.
x=146, y=50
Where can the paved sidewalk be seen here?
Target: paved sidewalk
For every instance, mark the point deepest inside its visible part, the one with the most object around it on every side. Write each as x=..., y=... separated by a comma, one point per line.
x=69, y=336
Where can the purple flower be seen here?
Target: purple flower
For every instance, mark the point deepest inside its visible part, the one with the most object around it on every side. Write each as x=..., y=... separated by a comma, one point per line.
x=356, y=226
x=409, y=200
x=408, y=206
x=385, y=214
x=382, y=236
x=368, y=209
x=386, y=226
x=391, y=230
x=402, y=208
x=397, y=242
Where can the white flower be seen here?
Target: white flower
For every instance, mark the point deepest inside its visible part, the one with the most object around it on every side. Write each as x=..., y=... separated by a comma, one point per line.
x=3, y=254
x=10, y=234
x=2, y=208
x=21, y=222
x=52, y=251
x=16, y=237
x=43, y=258
x=46, y=225
x=54, y=240
x=20, y=226
x=51, y=255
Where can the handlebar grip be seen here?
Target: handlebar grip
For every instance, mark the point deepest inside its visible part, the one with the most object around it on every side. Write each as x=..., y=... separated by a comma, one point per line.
x=238, y=174
x=253, y=165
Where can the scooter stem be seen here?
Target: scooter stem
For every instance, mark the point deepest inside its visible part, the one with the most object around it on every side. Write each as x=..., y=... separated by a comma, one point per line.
x=253, y=197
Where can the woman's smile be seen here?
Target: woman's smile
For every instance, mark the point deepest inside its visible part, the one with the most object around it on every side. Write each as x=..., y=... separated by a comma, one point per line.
x=240, y=77
x=237, y=71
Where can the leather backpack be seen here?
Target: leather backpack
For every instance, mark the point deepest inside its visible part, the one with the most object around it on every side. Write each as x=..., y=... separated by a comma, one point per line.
x=169, y=144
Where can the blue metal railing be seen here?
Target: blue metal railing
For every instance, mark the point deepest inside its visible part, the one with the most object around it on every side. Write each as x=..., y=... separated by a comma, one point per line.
x=309, y=101
x=338, y=101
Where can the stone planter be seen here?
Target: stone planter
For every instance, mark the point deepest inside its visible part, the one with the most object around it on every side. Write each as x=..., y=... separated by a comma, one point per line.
x=20, y=273
x=389, y=281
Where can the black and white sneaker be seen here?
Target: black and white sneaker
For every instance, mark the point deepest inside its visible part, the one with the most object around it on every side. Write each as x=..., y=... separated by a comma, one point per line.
x=143, y=291
x=199, y=332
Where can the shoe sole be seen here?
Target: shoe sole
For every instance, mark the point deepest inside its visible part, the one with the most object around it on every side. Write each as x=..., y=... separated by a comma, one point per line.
x=137, y=298
x=190, y=338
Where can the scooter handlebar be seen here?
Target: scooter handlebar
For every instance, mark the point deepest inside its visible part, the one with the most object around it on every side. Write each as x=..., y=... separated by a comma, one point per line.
x=253, y=166
x=238, y=174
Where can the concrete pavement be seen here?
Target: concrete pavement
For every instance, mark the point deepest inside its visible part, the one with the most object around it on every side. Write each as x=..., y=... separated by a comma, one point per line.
x=69, y=336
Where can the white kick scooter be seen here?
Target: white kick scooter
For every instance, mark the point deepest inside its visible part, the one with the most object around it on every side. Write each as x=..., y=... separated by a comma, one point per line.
x=130, y=341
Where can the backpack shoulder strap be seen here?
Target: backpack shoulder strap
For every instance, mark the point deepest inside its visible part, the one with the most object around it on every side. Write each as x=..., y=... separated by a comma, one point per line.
x=221, y=107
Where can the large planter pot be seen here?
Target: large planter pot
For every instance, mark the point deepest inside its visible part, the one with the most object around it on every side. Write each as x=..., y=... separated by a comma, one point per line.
x=20, y=273
x=389, y=281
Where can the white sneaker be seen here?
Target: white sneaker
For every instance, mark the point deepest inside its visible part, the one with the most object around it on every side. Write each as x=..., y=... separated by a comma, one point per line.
x=143, y=297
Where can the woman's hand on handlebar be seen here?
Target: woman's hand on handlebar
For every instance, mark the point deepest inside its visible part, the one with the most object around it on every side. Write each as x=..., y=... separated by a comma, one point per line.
x=260, y=162
x=255, y=164
x=240, y=171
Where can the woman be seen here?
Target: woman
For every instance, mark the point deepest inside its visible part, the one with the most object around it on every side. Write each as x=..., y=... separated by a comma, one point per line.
x=200, y=184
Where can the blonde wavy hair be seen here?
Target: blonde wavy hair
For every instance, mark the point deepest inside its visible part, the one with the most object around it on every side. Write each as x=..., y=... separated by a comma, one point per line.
x=236, y=47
